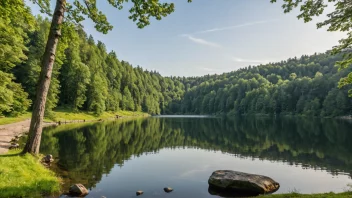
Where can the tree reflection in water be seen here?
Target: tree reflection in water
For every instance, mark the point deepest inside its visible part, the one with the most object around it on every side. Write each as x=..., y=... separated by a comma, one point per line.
x=87, y=152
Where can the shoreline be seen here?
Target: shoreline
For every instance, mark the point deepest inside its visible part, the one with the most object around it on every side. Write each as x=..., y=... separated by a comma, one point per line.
x=345, y=117
x=10, y=131
x=229, y=115
x=17, y=129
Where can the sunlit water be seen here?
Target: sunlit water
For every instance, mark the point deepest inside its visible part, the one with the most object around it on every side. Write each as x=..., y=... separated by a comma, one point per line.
x=115, y=159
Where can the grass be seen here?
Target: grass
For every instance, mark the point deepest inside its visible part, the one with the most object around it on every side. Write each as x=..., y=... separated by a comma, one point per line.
x=63, y=114
x=319, y=195
x=67, y=115
x=9, y=120
x=25, y=176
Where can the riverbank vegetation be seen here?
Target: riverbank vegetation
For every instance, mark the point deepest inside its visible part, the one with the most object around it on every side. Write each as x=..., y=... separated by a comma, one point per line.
x=25, y=176
x=14, y=119
x=67, y=115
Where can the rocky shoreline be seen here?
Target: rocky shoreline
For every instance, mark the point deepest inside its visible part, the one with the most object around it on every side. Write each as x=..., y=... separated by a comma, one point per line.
x=13, y=130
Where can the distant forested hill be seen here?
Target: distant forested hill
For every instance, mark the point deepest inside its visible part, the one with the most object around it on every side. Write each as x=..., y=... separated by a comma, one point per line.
x=305, y=85
x=87, y=77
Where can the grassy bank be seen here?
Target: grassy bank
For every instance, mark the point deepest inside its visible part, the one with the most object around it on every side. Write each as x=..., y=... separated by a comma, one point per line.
x=63, y=114
x=68, y=115
x=322, y=195
x=25, y=176
x=9, y=120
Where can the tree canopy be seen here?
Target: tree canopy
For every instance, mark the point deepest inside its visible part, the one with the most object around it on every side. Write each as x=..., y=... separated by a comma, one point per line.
x=140, y=12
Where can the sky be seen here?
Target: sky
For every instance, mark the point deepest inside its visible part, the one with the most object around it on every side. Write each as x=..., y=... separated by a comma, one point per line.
x=211, y=36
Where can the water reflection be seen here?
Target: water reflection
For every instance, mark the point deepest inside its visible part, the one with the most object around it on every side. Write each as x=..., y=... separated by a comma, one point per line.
x=87, y=153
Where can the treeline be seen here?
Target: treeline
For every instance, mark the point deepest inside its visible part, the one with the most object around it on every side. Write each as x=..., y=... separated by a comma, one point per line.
x=85, y=75
x=88, y=77
x=306, y=86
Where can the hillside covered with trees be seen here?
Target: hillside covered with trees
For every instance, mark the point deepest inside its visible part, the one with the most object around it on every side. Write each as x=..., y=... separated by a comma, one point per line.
x=86, y=77
x=307, y=85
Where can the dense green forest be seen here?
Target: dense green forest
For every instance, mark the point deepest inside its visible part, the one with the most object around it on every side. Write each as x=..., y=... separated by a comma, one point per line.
x=87, y=77
x=306, y=85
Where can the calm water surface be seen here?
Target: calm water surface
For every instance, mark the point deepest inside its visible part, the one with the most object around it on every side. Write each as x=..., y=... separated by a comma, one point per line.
x=115, y=159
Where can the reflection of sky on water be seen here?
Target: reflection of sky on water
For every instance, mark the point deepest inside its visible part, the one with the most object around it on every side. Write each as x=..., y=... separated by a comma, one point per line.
x=188, y=170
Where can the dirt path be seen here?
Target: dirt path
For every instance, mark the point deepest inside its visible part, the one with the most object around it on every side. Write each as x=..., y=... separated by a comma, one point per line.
x=9, y=131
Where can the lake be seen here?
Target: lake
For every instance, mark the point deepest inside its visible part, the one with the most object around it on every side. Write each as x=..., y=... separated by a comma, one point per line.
x=117, y=158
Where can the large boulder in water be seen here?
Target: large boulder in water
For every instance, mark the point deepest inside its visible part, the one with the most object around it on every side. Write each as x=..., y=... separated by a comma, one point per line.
x=228, y=180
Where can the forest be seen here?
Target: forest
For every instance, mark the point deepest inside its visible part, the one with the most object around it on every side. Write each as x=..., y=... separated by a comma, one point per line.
x=86, y=77
x=298, y=86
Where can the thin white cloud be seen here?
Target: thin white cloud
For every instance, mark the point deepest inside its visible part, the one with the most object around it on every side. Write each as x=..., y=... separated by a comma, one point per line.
x=234, y=27
x=212, y=44
x=236, y=59
x=201, y=41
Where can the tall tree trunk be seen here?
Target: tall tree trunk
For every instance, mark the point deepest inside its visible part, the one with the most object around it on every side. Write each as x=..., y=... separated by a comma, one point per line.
x=35, y=130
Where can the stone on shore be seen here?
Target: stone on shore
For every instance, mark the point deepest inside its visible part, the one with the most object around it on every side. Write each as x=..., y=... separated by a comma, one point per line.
x=15, y=139
x=242, y=182
x=139, y=192
x=14, y=146
x=48, y=159
x=168, y=189
x=78, y=190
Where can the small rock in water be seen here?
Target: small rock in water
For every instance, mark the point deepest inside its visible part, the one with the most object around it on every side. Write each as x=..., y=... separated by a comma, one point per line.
x=48, y=159
x=103, y=197
x=168, y=189
x=78, y=190
x=139, y=192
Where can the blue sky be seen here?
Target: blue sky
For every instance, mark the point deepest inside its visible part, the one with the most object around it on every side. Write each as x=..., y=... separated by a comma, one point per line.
x=211, y=36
